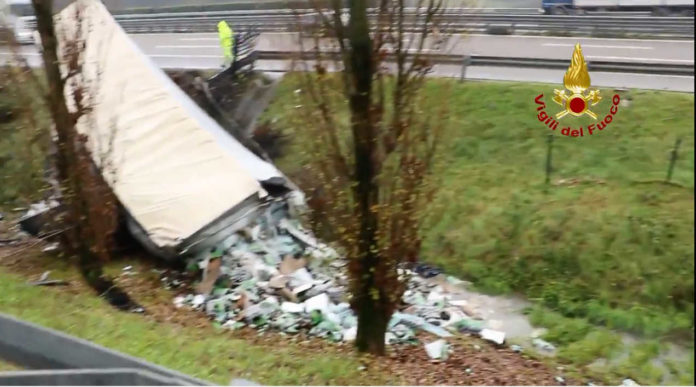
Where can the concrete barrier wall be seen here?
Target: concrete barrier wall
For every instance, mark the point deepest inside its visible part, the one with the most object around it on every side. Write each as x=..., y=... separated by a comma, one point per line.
x=36, y=347
x=122, y=5
x=86, y=377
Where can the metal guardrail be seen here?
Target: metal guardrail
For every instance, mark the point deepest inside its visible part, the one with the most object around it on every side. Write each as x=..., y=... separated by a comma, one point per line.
x=462, y=20
x=247, y=54
x=78, y=361
x=476, y=60
x=86, y=377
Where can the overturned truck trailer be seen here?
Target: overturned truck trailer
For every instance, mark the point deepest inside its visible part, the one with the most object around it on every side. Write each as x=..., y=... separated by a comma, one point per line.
x=185, y=183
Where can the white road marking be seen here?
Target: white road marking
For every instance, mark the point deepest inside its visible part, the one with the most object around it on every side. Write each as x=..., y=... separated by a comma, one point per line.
x=184, y=56
x=186, y=46
x=654, y=60
x=598, y=46
x=582, y=38
x=200, y=39
x=23, y=53
x=690, y=77
x=458, y=35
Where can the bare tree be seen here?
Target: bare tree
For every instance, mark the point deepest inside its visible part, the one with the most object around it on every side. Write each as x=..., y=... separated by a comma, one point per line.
x=375, y=166
x=90, y=209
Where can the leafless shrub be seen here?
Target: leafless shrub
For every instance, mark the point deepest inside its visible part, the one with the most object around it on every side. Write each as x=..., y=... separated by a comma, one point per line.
x=373, y=141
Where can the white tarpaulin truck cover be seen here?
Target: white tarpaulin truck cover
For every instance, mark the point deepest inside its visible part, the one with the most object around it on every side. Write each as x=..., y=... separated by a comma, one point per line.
x=173, y=168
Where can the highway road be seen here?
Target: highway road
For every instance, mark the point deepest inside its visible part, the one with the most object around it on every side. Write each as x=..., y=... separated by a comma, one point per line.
x=202, y=51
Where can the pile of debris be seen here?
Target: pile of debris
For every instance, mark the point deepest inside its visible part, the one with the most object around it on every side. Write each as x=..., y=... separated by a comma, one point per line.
x=276, y=275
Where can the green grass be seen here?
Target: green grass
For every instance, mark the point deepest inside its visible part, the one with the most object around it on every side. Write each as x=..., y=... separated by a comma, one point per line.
x=6, y=366
x=618, y=253
x=614, y=250
x=204, y=352
x=23, y=143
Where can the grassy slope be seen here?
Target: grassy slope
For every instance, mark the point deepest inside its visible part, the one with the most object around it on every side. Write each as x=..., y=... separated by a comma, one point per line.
x=608, y=252
x=632, y=269
x=5, y=366
x=199, y=351
x=618, y=253
x=21, y=146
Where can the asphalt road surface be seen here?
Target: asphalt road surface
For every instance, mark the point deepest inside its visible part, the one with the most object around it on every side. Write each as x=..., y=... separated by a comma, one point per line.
x=202, y=51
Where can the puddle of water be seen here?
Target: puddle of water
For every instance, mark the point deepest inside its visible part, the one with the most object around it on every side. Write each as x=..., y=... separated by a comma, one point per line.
x=669, y=352
x=505, y=313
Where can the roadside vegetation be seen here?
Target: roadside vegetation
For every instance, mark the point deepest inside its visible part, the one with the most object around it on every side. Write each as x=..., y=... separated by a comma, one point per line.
x=6, y=366
x=604, y=248
x=201, y=351
x=23, y=141
x=185, y=340
x=605, y=244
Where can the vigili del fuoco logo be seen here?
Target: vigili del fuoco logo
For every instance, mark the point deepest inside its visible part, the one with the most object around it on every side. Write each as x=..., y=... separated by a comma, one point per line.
x=577, y=99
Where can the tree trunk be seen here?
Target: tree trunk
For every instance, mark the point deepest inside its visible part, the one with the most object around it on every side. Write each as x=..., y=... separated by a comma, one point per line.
x=83, y=191
x=56, y=97
x=372, y=326
x=368, y=298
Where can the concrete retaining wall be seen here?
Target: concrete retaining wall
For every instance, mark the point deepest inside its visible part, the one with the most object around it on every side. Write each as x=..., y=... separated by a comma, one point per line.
x=36, y=347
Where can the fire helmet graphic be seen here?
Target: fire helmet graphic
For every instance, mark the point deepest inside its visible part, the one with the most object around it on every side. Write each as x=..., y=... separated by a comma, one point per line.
x=577, y=81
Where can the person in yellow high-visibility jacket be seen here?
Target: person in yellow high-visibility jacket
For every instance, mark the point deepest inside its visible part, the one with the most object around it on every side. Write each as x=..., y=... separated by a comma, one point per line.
x=226, y=42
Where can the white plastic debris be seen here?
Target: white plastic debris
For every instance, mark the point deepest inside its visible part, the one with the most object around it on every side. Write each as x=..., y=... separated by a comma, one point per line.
x=179, y=301
x=350, y=334
x=458, y=303
x=497, y=337
x=340, y=307
x=301, y=276
x=455, y=315
x=262, y=309
x=198, y=300
x=437, y=350
x=417, y=322
x=319, y=302
x=51, y=247
x=297, y=233
x=264, y=272
x=230, y=241
x=543, y=345
x=333, y=317
x=274, y=257
x=437, y=296
x=297, y=203
x=42, y=206
x=302, y=288
x=291, y=307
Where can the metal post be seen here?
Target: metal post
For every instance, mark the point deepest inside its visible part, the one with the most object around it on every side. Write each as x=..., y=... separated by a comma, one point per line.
x=549, y=148
x=466, y=61
x=673, y=159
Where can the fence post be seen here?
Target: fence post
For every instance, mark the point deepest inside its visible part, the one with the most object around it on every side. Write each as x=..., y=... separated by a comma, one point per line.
x=466, y=61
x=549, y=148
x=673, y=159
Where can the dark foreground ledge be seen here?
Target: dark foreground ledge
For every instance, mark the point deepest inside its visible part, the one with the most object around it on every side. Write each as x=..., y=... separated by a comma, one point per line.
x=59, y=359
